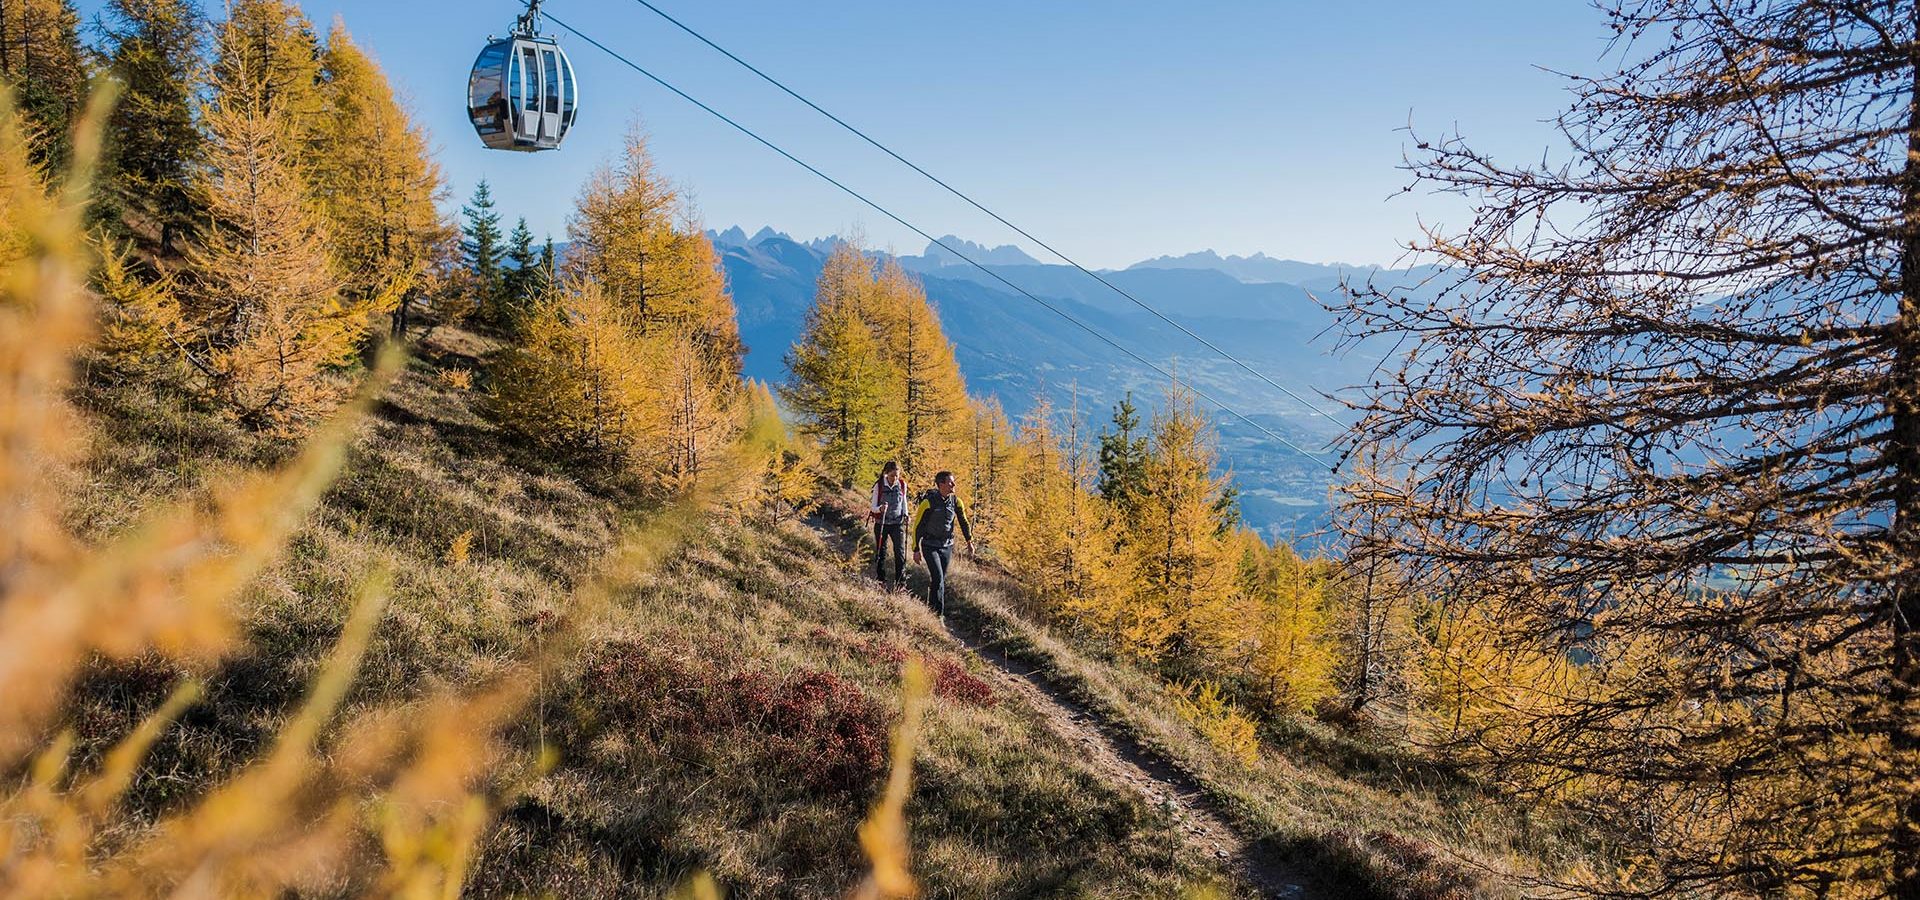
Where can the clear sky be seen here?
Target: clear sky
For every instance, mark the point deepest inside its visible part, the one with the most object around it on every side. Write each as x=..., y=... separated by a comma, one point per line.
x=1115, y=129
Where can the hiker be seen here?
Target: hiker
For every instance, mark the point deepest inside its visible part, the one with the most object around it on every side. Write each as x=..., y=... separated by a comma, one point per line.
x=889, y=515
x=934, y=521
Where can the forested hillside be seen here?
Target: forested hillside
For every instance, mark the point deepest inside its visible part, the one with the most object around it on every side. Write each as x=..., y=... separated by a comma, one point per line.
x=355, y=545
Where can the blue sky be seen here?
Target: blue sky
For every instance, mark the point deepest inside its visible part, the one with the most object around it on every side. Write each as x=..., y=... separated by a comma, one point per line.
x=1116, y=130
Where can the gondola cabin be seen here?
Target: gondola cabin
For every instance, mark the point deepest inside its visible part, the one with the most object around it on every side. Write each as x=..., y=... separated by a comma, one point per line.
x=522, y=94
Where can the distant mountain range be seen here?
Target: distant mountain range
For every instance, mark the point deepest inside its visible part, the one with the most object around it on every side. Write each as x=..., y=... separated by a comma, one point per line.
x=1017, y=350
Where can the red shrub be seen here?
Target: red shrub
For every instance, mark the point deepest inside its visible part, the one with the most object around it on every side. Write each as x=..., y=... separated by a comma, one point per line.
x=951, y=680
x=825, y=732
x=882, y=651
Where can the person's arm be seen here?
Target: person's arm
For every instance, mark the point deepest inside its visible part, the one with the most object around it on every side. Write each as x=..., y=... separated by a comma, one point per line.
x=873, y=503
x=966, y=531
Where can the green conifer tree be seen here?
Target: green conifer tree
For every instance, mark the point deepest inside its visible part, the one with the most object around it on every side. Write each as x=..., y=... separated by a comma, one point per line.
x=520, y=282
x=1123, y=458
x=41, y=60
x=480, y=251
x=154, y=144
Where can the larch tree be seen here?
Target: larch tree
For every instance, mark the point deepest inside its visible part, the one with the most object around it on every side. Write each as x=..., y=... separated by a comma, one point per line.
x=1033, y=534
x=1056, y=536
x=153, y=142
x=1181, y=608
x=271, y=46
x=42, y=62
x=264, y=295
x=839, y=382
x=140, y=318
x=634, y=235
x=1664, y=420
x=1292, y=650
x=992, y=453
x=577, y=382
x=703, y=411
x=375, y=185
x=932, y=393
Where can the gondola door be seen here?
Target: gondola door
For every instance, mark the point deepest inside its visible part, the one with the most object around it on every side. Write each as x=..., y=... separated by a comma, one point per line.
x=550, y=96
x=529, y=111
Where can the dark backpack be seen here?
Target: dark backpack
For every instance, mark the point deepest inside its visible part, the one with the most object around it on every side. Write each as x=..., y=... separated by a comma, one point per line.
x=941, y=520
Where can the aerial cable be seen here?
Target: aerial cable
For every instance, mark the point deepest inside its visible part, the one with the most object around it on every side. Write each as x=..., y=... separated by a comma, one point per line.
x=981, y=207
x=935, y=241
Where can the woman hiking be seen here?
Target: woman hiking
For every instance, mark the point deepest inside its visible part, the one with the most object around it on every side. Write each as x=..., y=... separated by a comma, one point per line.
x=934, y=522
x=889, y=514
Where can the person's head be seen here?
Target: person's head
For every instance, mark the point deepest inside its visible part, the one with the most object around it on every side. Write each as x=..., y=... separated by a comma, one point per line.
x=890, y=472
x=944, y=481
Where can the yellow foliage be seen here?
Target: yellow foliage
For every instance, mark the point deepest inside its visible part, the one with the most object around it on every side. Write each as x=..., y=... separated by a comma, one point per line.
x=458, y=549
x=790, y=481
x=932, y=396
x=1479, y=673
x=874, y=376
x=577, y=380
x=1183, y=602
x=456, y=378
x=372, y=180
x=1286, y=610
x=1225, y=727
x=269, y=309
x=701, y=409
x=842, y=384
x=140, y=318
x=1055, y=535
x=993, y=456
x=883, y=836
x=636, y=237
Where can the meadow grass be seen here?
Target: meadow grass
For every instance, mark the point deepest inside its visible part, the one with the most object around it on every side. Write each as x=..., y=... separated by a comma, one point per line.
x=1361, y=808
x=726, y=713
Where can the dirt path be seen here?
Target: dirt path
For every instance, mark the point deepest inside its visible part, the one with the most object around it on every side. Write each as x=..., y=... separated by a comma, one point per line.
x=1110, y=750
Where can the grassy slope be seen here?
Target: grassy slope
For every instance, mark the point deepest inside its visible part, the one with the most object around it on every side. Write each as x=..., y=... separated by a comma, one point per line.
x=1369, y=813
x=689, y=736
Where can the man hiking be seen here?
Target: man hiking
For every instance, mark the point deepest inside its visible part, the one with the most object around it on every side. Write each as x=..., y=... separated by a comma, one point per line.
x=889, y=514
x=934, y=521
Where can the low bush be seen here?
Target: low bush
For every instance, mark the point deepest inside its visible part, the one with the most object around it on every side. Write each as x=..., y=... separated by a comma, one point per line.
x=825, y=731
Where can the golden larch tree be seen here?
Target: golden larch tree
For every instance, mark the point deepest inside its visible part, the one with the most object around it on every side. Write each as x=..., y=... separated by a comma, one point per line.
x=579, y=381
x=268, y=306
x=634, y=235
x=374, y=183
x=841, y=381
x=703, y=410
x=270, y=46
x=991, y=452
x=1182, y=604
x=1292, y=649
x=932, y=393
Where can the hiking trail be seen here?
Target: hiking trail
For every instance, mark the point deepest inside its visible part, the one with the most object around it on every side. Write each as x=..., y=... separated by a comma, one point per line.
x=1110, y=751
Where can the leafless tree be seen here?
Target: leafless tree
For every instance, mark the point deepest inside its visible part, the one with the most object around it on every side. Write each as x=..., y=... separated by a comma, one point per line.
x=1660, y=421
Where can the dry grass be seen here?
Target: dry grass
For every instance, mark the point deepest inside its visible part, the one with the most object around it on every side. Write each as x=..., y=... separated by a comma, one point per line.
x=636, y=795
x=1365, y=810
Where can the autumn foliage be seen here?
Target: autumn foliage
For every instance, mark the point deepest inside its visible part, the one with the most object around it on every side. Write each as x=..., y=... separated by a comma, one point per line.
x=631, y=362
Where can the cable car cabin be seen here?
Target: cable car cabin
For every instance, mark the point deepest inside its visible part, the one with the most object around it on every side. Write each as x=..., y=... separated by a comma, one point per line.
x=522, y=94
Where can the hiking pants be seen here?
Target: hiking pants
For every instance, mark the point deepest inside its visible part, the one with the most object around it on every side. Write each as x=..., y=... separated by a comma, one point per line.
x=897, y=533
x=939, y=560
